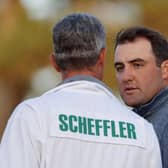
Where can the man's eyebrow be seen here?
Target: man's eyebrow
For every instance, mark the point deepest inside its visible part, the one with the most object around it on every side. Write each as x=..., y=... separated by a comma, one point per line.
x=130, y=61
x=136, y=60
x=117, y=63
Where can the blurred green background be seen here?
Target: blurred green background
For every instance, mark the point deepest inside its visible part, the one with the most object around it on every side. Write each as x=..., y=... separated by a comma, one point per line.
x=26, y=44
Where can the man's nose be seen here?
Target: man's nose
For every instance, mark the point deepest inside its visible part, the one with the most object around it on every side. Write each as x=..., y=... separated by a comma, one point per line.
x=127, y=74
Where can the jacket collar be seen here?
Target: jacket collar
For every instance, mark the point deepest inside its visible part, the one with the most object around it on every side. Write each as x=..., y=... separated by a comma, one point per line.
x=81, y=77
x=86, y=78
x=146, y=109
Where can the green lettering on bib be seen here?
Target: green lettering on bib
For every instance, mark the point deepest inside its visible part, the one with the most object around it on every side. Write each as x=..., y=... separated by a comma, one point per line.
x=113, y=129
x=82, y=125
x=90, y=126
x=131, y=131
x=63, y=122
x=72, y=121
x=98, y=126
x=106, y=126
x=122, y=127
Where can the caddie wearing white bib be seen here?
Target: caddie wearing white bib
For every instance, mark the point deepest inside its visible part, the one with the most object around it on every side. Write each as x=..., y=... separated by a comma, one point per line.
x=80, y=123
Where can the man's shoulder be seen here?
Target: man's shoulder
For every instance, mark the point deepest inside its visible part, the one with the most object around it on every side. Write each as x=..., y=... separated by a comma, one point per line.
x=31, y=106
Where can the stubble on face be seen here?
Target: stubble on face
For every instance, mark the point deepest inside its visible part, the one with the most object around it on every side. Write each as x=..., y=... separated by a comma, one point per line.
x=138, y=76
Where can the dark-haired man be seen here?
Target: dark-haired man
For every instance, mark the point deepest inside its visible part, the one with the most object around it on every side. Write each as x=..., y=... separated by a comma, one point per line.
x=141, y=64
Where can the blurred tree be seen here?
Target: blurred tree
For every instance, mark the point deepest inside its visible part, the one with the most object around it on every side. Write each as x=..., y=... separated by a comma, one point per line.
x=154, y=14
x=24, y=47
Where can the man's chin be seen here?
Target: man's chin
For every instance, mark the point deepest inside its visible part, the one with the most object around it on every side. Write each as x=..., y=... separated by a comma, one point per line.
x=131, y=102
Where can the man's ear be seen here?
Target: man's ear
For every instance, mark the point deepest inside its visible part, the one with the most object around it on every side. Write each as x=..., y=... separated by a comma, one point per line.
x=102, y=56
x=54, y=63
x=164, y=68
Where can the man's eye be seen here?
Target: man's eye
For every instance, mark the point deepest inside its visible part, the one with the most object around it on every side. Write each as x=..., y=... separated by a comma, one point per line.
x=138, y=65
x=119, y=68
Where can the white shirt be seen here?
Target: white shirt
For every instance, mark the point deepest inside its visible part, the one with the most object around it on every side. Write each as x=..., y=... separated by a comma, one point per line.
x=78, y=125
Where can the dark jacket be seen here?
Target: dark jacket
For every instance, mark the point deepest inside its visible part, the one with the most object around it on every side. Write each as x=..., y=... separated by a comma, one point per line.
x=156, y=112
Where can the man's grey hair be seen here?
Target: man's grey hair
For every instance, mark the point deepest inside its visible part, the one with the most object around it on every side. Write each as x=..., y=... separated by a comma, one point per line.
x=78, y=40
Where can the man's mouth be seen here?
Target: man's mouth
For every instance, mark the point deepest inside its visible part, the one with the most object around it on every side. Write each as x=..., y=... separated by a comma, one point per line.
x=130, y=90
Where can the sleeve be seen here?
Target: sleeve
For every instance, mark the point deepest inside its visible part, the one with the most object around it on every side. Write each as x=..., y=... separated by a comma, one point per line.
x=154, y=155
x=18, y=148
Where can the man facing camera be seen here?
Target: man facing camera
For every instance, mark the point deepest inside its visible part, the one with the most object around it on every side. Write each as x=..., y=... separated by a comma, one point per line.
x=141, y=64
